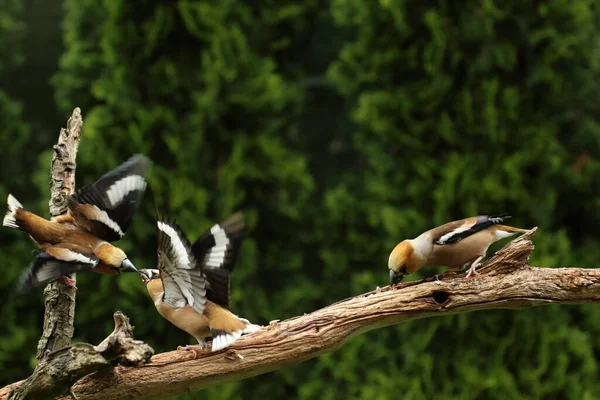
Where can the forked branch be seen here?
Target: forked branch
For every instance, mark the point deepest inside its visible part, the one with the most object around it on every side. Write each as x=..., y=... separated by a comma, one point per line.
x=505, y=281
x=60, y=365
x=60, y=369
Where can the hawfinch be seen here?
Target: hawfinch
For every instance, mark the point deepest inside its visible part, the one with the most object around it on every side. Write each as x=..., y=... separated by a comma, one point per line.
x=453, y=244
x=79, y=240
x=190, y=288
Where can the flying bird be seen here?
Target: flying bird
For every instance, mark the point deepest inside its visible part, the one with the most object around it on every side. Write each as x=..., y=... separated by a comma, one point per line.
x=190, y=288
x=453, y=244
x=79, y=240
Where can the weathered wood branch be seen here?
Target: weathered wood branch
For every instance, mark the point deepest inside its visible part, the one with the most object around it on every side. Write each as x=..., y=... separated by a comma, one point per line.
x=59, y=298
x=505, y=281
x=60, y=365
x=60, y=369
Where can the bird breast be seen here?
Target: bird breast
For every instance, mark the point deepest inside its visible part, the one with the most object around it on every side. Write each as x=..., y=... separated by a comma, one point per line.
x=186, y=319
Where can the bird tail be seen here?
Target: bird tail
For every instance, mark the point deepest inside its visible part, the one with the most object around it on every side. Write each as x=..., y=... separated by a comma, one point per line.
x=250, y=327
x=510, y=229
x=226, y=328
x=10, y=219
x=223, y=339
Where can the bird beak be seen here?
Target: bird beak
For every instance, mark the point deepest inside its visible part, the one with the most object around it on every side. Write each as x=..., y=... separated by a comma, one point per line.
x=396, y=277
x=127, y=266
x=145, y=275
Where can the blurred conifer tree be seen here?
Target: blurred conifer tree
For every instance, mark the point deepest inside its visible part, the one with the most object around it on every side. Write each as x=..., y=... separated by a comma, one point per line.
x=342, y=130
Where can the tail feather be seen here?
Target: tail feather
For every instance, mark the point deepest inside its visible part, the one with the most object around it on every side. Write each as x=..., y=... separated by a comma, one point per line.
x=499, y=217
x=510, y=229
x=250, y=327
x=223, y=339
x=10, y=219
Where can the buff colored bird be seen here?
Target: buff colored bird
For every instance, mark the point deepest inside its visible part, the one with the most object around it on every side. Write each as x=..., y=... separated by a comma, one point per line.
x=181, y=286
x=453, y=244
x=98, y=214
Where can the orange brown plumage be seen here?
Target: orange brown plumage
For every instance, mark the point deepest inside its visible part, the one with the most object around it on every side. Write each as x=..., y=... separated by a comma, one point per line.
x=98, y=214
x=453, y=244
x=183, y=292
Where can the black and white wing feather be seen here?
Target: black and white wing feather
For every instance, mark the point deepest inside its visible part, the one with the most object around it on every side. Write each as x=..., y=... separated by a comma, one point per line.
x=218, y=247
x=54, y=262
x=183, y=280
x=106, y=207
x=456, y=231
x=217, y=250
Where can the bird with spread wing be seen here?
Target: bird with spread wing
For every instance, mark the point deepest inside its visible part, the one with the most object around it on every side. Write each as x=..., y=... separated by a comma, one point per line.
x=98, y=214
x=190, y=288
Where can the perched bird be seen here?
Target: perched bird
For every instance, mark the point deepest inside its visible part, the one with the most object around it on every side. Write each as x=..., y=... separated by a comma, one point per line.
x=190, y=288
x=453, y=244
x=97, y=214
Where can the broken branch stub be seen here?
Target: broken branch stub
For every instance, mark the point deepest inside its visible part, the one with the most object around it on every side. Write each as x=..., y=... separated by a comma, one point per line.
x=60, y=369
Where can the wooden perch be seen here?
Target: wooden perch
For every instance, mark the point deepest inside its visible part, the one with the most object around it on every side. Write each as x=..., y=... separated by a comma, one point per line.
x=59, y=298
x=505, y=281
x=60, y=365
x=60, y=369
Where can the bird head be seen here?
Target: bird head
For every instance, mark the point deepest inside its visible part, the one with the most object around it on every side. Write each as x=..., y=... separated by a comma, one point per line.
x=149, y=274
x=120, y=259
x=115, y=257
x=399, y=258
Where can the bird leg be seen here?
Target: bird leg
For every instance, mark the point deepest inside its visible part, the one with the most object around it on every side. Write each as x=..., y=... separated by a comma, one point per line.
x=201, y=345
x=474, y=266
x=189, y=348
x=69, y=282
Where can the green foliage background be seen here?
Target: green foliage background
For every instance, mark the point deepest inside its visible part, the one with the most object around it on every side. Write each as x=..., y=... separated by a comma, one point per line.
x=341, y=127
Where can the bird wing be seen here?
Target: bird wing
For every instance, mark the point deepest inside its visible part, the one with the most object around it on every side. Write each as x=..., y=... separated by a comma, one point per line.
x=182, y=277
x=218, y=286
x=217, y=250
x=106, y=207
x=56, y=261
x=456, y=231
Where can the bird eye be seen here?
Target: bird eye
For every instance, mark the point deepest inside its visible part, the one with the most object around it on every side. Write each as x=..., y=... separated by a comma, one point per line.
x=155, y=276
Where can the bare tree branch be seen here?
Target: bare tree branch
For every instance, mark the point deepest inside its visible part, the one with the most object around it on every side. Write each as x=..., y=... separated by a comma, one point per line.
x=60, y=365
x=60, y=369
x=505, y=281
x=59, y=298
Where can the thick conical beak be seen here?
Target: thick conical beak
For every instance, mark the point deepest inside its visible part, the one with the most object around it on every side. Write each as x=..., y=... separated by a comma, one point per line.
x=145, y=275
x=396, y=277
x=127, y=266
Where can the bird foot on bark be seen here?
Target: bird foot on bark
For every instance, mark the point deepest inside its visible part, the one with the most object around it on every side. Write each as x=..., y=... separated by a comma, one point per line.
x=191, y=348
x=69, y=282
x=473, y=269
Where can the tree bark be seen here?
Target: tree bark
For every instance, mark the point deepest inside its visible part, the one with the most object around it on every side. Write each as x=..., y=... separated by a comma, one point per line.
x=59, y=298
x=505, y=281
x=60, y=369
x=60, y=365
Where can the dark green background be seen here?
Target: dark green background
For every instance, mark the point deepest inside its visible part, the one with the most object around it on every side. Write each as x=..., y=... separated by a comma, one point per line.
x=341, y=127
